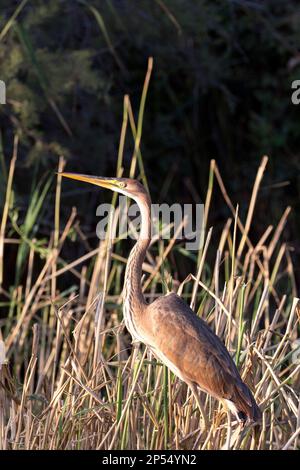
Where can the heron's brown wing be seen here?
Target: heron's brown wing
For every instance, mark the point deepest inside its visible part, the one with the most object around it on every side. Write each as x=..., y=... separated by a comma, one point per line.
x=188, y=343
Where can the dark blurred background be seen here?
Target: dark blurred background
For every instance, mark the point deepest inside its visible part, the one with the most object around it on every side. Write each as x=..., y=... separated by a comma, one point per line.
x=220, y=88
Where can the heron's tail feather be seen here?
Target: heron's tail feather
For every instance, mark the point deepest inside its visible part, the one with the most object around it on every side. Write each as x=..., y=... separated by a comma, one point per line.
x=246, y=405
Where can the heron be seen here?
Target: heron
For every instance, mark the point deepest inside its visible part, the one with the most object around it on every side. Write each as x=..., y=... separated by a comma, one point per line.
x=178, y=337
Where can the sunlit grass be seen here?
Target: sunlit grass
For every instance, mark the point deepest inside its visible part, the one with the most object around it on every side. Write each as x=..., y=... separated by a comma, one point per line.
x=73, y=380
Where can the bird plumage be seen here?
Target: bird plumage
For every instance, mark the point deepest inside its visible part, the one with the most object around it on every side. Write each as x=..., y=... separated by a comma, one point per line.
x=168, y=326
x=201, y=357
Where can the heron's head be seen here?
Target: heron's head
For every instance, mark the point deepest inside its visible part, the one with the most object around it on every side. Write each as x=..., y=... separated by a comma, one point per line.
x=127, y=186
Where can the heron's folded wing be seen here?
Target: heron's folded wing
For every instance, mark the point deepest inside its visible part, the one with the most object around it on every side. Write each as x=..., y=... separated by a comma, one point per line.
x=189, y=343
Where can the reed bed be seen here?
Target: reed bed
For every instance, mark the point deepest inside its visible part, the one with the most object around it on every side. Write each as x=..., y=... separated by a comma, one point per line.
x=70, y=377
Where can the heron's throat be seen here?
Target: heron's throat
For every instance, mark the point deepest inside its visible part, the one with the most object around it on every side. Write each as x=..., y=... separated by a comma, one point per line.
x=133, y=294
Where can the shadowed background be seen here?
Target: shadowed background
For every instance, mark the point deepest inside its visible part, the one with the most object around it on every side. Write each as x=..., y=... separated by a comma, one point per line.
x=220, y=88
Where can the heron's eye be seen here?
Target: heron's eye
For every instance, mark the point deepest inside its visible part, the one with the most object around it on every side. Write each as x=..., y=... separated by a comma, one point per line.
x=122, y=184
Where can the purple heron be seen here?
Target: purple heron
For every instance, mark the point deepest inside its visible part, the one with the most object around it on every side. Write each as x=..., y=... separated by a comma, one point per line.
x=170, y=328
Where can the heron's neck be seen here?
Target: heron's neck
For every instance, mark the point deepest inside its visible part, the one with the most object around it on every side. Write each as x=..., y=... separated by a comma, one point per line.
x=132, y=283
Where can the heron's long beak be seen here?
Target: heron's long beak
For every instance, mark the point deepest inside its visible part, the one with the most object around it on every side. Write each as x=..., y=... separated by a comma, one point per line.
x=97, y=180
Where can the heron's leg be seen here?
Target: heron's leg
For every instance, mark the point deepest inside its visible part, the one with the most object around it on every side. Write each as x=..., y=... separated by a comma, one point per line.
x=228, y=437
x=204, y=426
